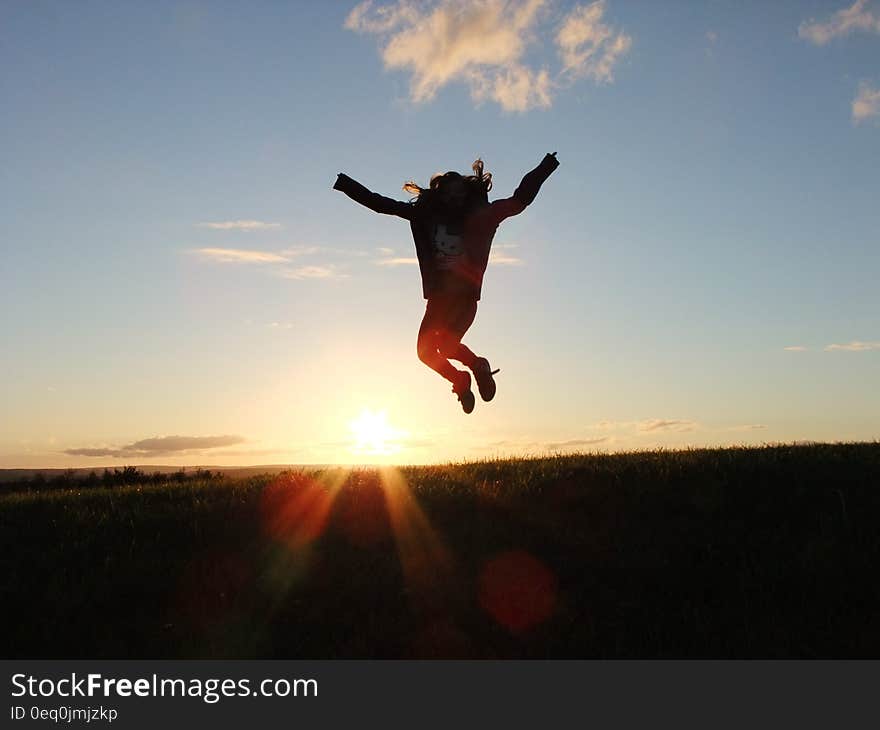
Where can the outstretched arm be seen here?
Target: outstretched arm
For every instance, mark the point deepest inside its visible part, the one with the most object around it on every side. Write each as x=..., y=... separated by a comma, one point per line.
x=527, y=189
x=379, y=203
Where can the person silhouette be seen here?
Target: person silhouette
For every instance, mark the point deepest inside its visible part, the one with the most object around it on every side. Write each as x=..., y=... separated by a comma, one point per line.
x=453, y=224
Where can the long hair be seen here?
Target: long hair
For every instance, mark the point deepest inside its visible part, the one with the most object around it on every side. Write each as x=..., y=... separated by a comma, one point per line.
x=478, y=186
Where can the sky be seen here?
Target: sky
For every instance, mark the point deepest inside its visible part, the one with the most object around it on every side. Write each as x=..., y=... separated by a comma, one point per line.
x=181, y=285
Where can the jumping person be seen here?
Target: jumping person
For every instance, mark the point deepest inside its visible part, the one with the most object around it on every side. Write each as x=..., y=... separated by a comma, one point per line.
x=453, y=224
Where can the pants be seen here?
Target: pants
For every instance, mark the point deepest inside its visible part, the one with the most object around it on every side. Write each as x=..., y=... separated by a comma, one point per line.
x=446, y=320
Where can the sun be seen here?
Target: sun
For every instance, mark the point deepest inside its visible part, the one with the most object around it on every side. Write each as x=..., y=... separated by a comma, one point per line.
x=373, y=435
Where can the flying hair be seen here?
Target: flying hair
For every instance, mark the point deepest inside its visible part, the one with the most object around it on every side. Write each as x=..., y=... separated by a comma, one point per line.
x=479, y=184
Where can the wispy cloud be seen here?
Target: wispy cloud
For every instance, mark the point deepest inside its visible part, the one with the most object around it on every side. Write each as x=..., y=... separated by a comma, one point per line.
x=750, y=427
x=866, y=104
x=795, y=348
x=857, y=17
x=398, y=261
x=314, y=272
x=587, y=46
x=647, y=425
x=854, y=346
x=500, y=258
x=279, y=261
x=606, y=425
x=243, y=225
x=659, y=424
x=238, y=255
x=574, y=443
x=483, y=44
x=160, y=446
x=294, y=251
x=523, y=445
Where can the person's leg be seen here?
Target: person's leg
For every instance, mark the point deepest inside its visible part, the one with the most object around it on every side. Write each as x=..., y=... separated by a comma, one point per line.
x=460, y=316
x=435, y=339
x=432, y=333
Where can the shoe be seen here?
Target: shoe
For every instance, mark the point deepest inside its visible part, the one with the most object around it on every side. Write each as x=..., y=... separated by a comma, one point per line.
x=483, y=372
x=463, y=390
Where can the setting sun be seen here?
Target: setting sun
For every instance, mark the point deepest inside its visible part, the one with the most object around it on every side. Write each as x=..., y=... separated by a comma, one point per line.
x=373, y=435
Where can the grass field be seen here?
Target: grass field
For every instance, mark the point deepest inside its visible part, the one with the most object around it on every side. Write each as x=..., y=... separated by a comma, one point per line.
x=747, y=552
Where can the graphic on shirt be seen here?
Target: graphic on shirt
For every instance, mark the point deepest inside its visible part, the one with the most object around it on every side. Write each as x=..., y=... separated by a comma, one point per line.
x=448, y=247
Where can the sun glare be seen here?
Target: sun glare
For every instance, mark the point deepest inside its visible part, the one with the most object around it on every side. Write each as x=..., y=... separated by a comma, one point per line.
x=373, y=435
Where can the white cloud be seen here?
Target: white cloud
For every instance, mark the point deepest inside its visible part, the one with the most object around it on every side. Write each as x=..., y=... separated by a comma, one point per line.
x=574, y=443
x=499, y=258
x=587, y=46
x=384, y=19
x=398, y=261
x=300, y=251
x=483, y=44
x=795, y=348
x=517, y=89
x=866, y=104
x=857, y=17
x=854, y=346
x=611, y=425
x=237, y=255
x=246, y=226
x=659, y=424
x=647, y=425
x=311, y=271
x=328, y=271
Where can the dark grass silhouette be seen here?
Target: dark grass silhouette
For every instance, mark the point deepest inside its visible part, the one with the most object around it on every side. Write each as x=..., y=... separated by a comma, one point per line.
x=748, y=552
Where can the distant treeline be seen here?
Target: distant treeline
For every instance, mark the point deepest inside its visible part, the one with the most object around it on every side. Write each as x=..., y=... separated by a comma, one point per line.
x=129, y=475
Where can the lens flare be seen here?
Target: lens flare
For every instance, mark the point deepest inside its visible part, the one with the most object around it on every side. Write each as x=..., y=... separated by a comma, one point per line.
x=518, y=590
x=426, y=561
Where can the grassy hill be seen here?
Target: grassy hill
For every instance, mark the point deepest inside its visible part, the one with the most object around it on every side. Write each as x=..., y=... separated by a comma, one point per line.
x=744, y=552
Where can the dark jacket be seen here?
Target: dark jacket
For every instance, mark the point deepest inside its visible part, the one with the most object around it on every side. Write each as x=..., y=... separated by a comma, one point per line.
x=479, y=228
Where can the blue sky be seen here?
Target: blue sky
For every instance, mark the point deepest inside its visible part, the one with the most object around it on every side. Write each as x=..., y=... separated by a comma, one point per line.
x=715, y=205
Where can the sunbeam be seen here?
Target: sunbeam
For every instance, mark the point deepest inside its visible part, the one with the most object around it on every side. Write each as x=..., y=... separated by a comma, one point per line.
x=426, y=561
